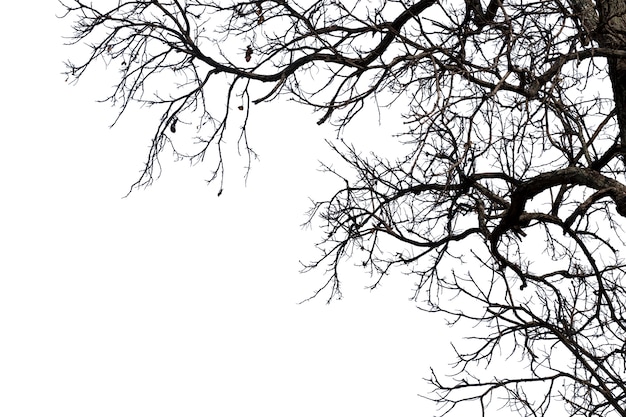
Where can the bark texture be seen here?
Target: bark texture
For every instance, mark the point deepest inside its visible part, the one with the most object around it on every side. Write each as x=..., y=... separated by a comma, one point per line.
x=611, y=33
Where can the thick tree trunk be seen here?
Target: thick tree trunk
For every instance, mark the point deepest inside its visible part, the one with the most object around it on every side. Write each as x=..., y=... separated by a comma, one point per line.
x=611, y=33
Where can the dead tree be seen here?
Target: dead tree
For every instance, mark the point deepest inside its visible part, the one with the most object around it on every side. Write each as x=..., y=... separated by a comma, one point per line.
x=510, y=196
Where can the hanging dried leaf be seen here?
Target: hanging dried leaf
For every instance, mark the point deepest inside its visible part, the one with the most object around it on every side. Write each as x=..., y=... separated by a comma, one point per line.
x=240, y=107
x=259, y=12
x=248, y=54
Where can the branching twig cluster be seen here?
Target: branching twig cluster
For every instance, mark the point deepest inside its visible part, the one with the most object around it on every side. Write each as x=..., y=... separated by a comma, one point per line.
x=515, y=134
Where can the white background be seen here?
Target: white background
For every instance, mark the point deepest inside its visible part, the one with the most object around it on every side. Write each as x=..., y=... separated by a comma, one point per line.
x=173, y=302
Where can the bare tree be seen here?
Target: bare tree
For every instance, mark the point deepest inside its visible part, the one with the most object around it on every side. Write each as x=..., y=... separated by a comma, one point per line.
x=515, y=133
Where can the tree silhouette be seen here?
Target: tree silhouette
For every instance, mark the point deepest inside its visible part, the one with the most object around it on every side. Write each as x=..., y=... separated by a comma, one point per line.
x=515, y=133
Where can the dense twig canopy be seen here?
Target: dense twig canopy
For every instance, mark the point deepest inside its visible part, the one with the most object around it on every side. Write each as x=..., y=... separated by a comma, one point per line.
x=509, y=198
